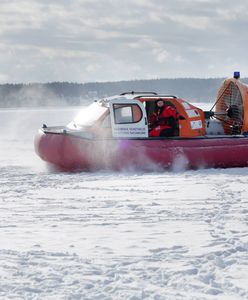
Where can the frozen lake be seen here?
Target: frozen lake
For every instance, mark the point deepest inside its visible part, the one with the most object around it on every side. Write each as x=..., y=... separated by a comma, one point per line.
x=106, y=235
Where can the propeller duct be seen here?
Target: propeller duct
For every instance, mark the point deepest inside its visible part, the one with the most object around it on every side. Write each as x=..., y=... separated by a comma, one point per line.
x=231, y=106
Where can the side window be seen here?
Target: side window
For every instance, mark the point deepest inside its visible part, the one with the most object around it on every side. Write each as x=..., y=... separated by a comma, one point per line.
x=127, y=113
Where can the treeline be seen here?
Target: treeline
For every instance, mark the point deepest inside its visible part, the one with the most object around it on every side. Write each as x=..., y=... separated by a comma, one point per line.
x=66, y=93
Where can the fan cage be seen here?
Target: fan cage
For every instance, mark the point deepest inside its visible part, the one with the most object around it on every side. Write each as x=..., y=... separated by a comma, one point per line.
x=229, y=108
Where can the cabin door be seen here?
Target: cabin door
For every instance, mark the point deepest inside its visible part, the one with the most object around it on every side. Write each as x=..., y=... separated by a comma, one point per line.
x=128, y=119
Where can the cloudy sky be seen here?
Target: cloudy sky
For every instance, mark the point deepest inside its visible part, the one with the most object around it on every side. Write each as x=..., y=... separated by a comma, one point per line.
x=111, y=40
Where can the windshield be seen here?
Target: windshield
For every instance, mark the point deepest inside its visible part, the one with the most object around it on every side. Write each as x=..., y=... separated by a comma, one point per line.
x=88, y=115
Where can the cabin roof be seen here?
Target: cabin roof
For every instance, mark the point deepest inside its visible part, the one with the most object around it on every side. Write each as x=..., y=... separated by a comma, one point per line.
x=145, y=96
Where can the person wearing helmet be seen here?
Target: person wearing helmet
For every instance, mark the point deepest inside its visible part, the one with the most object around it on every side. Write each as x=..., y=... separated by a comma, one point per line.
x=164, y=121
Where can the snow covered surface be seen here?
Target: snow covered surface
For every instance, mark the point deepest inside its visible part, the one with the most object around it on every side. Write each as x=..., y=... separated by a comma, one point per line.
x=106, y=235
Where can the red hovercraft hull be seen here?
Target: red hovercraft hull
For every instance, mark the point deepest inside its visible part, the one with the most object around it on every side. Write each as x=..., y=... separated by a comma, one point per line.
x=70, y=153
x=113, y=133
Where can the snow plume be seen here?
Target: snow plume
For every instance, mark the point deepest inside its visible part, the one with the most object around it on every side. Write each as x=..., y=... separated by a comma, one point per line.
x=180, y=163
x=32, y=95
x=138, y=159
x=16, y=133
x=118, y=155
x=18, y=128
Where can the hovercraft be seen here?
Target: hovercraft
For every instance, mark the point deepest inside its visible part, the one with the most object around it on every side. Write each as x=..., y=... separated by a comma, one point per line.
x=113, y=133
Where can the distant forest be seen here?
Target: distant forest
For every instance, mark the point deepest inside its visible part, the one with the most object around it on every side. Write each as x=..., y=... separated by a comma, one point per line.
x=66, y=93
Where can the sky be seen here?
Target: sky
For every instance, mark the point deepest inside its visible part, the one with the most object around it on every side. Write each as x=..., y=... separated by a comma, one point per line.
x=113, y=40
